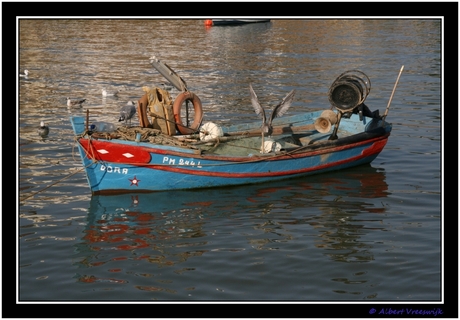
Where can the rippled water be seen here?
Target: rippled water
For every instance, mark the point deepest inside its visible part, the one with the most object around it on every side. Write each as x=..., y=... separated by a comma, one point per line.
x=371, y=233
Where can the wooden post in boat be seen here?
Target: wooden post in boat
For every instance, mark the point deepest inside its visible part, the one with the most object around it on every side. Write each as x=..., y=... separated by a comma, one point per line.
x=333, y=136
x=87, y=120
x=391, y=97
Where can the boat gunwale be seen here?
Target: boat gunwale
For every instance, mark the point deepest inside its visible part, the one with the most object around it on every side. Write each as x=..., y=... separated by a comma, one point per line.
x=318, y=148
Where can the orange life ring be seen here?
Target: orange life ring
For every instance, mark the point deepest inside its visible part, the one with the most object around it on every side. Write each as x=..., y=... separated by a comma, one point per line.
x=184, y=96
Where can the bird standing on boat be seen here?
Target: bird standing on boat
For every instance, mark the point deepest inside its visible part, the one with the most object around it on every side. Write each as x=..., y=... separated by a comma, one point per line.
x=167, y=86
x=74, y=102
x=127, y=112
x=106, y=93
x=25, y=74
x=278, y=111
x=43, y=130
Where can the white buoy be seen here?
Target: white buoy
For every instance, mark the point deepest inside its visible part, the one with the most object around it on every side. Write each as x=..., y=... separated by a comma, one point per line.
x=209, y=131
x=270, y=146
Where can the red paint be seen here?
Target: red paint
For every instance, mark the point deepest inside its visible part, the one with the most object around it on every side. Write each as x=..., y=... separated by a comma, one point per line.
x=114, y=152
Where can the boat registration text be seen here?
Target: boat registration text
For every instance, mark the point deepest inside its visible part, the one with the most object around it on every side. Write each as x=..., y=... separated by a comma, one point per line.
x=180, y=162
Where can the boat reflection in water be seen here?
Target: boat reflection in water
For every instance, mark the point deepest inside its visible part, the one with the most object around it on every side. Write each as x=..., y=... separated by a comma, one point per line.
x=167, y=228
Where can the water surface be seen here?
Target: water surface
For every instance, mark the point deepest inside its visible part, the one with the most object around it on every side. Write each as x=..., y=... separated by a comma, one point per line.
x=367, y=234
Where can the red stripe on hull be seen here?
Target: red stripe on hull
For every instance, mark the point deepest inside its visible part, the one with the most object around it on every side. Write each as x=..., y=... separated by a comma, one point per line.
x=135, y=155
x=376, y=147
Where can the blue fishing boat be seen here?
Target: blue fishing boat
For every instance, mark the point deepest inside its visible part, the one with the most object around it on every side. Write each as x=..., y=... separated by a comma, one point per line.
x=152, y=157
x=232, y=22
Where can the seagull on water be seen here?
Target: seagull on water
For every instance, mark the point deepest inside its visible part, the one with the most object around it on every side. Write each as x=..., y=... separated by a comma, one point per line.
x=25, y=74
x=106, y=93
x=127, y=112
x=278, y=111
x=43, y=130
x=74, y=102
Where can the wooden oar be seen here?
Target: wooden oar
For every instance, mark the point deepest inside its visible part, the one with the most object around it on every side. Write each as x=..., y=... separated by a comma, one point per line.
x=277, y=130
x=321, y=125
x=169, y=74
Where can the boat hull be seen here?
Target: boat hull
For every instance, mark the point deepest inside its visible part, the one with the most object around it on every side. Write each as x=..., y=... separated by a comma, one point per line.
x=114, y=166
x=230, y=22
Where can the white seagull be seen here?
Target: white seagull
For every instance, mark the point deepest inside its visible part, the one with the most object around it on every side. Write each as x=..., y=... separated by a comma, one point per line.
x=278, y=111
x=167, y=86
x=106, y=93
x=25, y=74
x=74, y=102
x=127, y=112
x=43, y=130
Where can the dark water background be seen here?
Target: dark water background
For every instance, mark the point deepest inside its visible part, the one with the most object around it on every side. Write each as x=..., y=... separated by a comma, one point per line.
x=369, y=234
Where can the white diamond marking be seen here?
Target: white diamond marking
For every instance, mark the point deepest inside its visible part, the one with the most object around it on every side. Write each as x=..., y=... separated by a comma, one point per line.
x=128, y=155
x=103, y=151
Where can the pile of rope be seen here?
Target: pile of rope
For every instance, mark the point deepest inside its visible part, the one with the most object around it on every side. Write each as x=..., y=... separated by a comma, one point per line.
x=140, y=134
